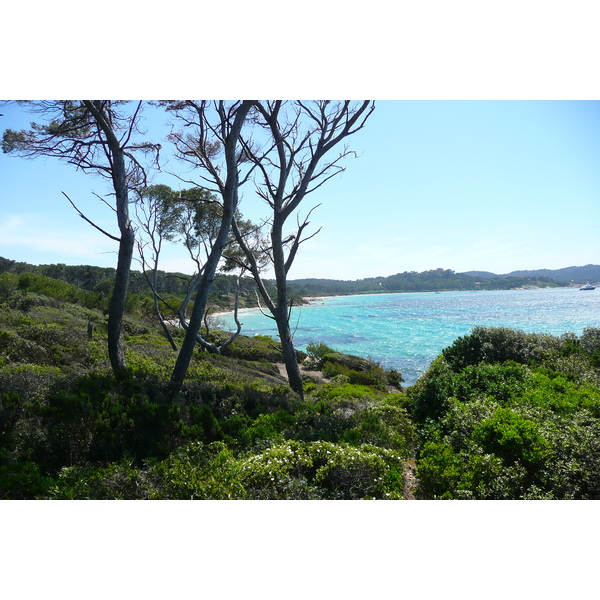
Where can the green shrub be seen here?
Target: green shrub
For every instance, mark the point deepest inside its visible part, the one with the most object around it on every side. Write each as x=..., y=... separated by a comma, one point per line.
x=394, y=378
x=590, y=343
x=62, y=345
x=502, y=382
x=374, y=377
x=446, y=474
x=552, y=390
x=25, y=301
x=197, y=472
x=11, y=409
x=352, y=473
x=508, y=431
x=16, y=349
x=354, y=363
x=590, y=340
x=255, y=349
x=8, y=284
x=22, y=481
x=317, y=350
x=337, y=392
x=572, y=470
x=386, y=426
x=245, y=433
x=429, y=398
x=353, y=368
x=40, y=284
x=204, y=424
x=497, y=345
x=117, y=481
x=28, y=381
x=511, y=437
x=98, y=418
x=320, y=422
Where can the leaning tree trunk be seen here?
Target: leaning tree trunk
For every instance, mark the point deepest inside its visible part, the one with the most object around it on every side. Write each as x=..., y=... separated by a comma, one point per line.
x=189, y=342
x=229, y=192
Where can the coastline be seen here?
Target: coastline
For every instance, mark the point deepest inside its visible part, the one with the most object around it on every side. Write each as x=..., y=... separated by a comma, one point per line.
x=315, y=300
x=230, y=312
x=306, y=300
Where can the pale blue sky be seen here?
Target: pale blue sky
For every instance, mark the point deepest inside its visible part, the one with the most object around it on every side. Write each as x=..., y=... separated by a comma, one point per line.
x=463, y=185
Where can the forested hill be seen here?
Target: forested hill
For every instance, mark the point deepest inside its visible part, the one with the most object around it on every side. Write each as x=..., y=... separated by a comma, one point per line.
x=98, y=279
x=427, y=281
x=577, y=275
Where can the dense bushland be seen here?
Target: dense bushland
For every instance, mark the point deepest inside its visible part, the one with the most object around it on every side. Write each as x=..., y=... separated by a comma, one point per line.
x=96, y=283
x=70, y=429
x=499, y=414
x=505, y=414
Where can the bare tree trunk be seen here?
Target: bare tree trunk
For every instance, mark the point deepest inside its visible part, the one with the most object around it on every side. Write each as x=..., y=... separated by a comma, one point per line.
x=282, y=310
x=230, y=202
x=116, y=307
x=290, y=358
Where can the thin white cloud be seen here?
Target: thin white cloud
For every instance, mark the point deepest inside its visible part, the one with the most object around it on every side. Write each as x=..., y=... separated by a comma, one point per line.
x=27, y=235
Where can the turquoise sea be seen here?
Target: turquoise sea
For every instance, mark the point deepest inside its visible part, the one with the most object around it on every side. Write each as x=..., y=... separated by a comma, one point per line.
x=407, y=331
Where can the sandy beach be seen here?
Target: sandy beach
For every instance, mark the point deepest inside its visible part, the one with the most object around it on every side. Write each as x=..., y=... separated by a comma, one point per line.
x=241, y=311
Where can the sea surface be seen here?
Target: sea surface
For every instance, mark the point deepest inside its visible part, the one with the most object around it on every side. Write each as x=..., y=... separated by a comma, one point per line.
x=407, y=331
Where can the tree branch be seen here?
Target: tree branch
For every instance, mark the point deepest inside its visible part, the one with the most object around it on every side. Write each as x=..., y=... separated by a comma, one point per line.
x=112, y=237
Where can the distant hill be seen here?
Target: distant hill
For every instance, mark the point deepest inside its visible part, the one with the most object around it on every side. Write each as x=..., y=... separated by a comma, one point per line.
x=482, y=274
x=566, y=275
x=427, y=281
x=578, y=275
x=98, y=279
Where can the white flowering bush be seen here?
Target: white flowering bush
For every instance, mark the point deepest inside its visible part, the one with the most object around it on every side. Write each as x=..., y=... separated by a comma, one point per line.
x=324, y=470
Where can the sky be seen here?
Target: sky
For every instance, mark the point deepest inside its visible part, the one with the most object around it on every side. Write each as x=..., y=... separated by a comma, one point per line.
x=463, y=185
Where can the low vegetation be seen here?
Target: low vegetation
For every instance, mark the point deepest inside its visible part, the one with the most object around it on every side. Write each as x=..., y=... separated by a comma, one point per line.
x=503, y=414
x=500, y=414
x=70, y=428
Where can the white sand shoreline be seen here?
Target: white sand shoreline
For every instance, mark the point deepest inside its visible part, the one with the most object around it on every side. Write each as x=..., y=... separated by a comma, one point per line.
x=308, y=300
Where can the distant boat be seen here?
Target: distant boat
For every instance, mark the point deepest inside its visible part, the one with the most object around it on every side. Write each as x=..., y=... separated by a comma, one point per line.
x=587, y=286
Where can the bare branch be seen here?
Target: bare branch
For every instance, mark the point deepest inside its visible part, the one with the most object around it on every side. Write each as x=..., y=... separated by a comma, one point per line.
x=112, y=237
x=104, y=201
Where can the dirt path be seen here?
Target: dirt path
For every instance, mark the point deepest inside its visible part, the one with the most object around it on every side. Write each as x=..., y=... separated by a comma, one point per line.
x=410, y=481
x=317, y=375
